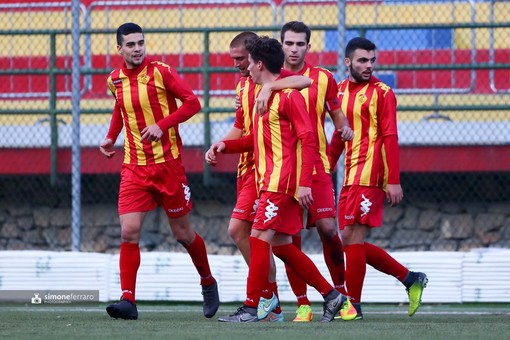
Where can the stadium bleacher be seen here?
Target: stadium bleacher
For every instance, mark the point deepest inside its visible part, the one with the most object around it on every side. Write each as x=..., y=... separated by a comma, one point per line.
x=398, y=46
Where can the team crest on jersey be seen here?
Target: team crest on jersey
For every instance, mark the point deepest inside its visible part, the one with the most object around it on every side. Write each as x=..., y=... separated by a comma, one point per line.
x=144, y=79
x=362, y=98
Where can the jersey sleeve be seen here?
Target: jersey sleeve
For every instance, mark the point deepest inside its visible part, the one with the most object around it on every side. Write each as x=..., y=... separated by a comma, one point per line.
x=298, y=116
x=284, y=73
x=239, y=120
x=116, y=124
x=387, y=106
x=335, y=149
x=243, y=144
x=332, y=101
x=388, y=122
x=179, y=89
x=391, y=150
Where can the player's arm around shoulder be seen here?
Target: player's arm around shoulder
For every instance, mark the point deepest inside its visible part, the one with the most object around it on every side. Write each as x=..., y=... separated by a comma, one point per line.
x=295, y=108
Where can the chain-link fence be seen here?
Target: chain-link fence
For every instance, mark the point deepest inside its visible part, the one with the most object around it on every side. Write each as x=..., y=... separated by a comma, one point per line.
x=448, y=62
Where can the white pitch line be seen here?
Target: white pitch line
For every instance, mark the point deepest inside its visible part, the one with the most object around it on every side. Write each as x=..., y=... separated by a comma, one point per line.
x=198, y=309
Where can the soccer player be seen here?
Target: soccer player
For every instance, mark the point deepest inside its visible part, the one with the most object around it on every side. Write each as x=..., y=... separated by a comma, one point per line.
x=152, y=173
x=247, y=197
x=284, y=151
x=320, y=98
x=372, y=172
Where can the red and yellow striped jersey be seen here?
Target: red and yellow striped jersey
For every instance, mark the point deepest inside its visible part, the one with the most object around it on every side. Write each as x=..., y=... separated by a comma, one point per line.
x=246, y=91
x=284, y=145
x=370, y=108
x=320, y=98
x=147, y=95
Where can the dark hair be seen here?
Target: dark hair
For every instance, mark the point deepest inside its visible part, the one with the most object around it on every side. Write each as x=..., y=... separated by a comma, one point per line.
x=126, y=29
x=242, y=38
x=267, y=50
x=358, y=43
x=295, y=26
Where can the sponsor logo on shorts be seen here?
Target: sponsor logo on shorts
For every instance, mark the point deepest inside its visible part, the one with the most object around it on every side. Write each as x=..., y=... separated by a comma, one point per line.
x=175, y=210
x=349, y=217
x=255, y=206
x=271, y=211
x=187, y=193
x=365, y=205
x=321, y=210
x=241, y=211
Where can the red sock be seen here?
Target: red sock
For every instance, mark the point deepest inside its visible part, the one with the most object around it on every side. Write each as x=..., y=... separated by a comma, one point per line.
x=334, y=258
x=355, y=269
x=129, y=262
x=198, y=254
x=303, y=266
x=267, y=292
x=258, y=270
x=273, y=287
x=383, y=262
x=297, y=285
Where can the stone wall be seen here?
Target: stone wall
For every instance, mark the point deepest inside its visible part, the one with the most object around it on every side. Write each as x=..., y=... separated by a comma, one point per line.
x=416, y=227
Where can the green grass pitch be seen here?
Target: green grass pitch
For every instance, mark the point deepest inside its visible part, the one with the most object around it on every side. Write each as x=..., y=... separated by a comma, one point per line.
x=185, y=321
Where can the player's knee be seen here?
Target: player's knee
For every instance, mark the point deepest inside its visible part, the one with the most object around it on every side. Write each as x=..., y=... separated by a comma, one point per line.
x=238, y=234
x=232, y=232
x=130, y=234
x=327, y=230
x=184, y=236
x=131, y=226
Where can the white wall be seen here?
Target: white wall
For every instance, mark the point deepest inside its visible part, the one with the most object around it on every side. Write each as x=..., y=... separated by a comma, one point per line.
x=482, y=275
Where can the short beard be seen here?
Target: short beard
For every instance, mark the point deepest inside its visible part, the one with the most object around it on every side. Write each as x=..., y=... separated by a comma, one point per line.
x=356, y=76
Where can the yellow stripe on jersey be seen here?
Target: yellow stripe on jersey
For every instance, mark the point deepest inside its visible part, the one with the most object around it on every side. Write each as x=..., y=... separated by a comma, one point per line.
x=163, y=104
x=276, y=143
x=262, y=151
x=245, y=100
x=372, y=133
x=250, y=91
x=143, y=99
x=356, y=142
x=246, y=105
x=126, y=95
x=386, y=171
x=299, y=166
x=321, y=135
x=305, y=91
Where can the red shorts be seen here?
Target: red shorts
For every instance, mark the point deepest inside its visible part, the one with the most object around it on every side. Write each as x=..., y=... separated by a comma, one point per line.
x=323, y=194
x=142, y=188
x=247, y=197
x=360, y=204
x=279, y=212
